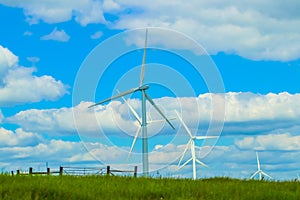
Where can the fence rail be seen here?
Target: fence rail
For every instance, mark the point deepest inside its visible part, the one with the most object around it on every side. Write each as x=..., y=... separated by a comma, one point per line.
x=78, y=171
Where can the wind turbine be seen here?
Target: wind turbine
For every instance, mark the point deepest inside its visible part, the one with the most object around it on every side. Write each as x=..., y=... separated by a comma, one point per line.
x=142, y=88
x=259, y=171
x=191, y=145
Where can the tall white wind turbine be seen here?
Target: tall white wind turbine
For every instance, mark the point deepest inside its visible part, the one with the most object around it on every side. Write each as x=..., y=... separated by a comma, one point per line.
x=259, y=171
x=142, y=88
x=191, y=145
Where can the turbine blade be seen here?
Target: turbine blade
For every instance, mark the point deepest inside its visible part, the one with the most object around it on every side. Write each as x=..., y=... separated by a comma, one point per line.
x=201, y=163
x=158, y=110
x=258, y=163
x=116, y=96
x=132, y=111
x=160, y=120
x=266, y=174
x=205, y=137
x=254, y=174
x=184, y=125
x=184, y=164
x=134, y=140
x=184, y=152
x=144, y=61
x=196, y=147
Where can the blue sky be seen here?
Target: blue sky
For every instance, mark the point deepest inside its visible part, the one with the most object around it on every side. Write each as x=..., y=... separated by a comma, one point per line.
x=44, y=47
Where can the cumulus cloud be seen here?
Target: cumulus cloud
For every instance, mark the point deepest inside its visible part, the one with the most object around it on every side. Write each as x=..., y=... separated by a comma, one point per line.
x=8, y=60
x=255, y=30
x=27, y=33
x=21, y=149
x=62, y=120
x=57, y=35
x=18, y=138
x=1, y=116
x=84, y=11
x=56, y=151
x=245, y=113
x=33, y=59
x=280, y=142
x=97, y=35
x=18, y=84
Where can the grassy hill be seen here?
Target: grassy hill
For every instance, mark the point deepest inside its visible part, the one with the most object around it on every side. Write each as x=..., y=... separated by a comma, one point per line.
x=102, y=187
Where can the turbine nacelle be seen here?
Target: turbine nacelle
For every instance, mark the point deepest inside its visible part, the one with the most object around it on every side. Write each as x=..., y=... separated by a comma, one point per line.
x=144, y=87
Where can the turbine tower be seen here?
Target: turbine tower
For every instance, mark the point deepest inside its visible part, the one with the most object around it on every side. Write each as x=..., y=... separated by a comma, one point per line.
x=142, y=88
x=191, y=145
x=259, y=171
x=138, y=119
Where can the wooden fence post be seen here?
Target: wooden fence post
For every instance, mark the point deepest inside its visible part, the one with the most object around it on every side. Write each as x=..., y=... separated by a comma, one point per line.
x=108, y=170
x=135, y=171
x=48, y=171
x=30, y=170
x=61, y=169
x=18, y=172
x=12, y=173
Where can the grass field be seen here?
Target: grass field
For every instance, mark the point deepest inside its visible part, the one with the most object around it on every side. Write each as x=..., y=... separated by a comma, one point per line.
x=102, y=187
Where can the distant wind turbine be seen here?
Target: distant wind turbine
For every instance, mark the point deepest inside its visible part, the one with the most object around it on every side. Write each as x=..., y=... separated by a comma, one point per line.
x=142, y=88
x=259, y=171
x=191, y=145
x=298, y=177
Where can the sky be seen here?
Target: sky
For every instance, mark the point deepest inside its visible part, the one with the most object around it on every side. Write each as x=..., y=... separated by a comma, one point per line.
x=230, y=68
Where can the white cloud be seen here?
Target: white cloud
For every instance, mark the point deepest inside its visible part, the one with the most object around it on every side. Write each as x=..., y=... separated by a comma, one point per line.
x=57, y=151
x=252, y=107
x=62, y=121
x=18, y=84
x=110, y=6
x=8, y=60
x=18, y=138
x=280, y=142
x=245, y=113
x=27, y=33
x=33, y=59
x=259, y=30
x=1, y=116
x=256, y=30
x=97, y=35
x=20, y=149
x=58, y=35
x=55, y=11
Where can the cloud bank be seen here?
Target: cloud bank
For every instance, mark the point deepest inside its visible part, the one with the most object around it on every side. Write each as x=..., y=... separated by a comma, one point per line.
x=20, y=149
x=246, y=113
x=255, y=30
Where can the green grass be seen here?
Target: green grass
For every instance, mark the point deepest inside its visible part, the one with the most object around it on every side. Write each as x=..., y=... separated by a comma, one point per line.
x=102, y=187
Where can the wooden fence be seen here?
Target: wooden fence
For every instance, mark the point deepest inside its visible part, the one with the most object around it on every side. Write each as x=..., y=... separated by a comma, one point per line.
x=78, y=171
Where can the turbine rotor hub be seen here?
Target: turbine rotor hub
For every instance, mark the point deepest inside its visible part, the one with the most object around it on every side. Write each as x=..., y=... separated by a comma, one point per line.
x=144, y=87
